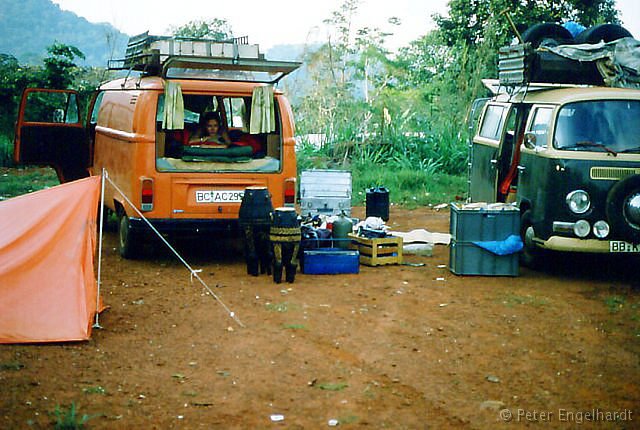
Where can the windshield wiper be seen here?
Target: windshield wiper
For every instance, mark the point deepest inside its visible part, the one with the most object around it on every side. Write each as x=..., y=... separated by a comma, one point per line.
x=592, y=144
x=636, y=149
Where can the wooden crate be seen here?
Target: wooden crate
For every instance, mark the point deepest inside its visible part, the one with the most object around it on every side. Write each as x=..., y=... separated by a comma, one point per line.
x=378, y=251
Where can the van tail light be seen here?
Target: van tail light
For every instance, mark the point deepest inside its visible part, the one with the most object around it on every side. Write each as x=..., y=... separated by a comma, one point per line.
x=290, y=191
x=146, y=201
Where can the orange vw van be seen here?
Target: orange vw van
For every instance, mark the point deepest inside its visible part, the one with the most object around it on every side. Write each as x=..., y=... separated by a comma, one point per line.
x=140, y=128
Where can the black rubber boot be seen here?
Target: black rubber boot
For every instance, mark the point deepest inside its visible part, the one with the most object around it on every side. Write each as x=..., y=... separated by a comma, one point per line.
x=291, y=273
x=252, y=266
x=277, y=273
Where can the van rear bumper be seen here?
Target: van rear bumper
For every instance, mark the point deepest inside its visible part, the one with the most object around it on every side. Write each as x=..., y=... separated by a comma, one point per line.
x=186, y=227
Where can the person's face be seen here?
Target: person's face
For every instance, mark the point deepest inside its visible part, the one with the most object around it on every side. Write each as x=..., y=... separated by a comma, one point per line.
x=212, y=127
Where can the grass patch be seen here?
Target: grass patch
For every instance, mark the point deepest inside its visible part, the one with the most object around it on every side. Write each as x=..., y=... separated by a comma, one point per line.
x=18, y=181
x=614, y=303
x=512, y=300
x=6, y=150
x=348, y=419
x=332, y=386
x=279, y=307
x=417, y=171
x=69, y=419
x=294, y=326
x=408, y=187
x=11, y=365
x=95, y=390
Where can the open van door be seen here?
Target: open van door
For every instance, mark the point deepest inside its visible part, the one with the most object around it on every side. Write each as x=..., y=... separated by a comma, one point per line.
x=49, y=132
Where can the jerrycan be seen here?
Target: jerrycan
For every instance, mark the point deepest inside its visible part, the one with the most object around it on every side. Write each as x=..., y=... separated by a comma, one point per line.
x=341, y=229
x=378, y=202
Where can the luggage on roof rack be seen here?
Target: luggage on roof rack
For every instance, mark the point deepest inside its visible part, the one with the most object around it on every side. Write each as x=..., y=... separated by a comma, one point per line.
x=605, y=64
x=521, y=64
x=187, y=57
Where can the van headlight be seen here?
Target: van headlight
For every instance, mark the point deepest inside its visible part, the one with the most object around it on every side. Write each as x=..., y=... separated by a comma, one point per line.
x=601, y=229
x=578, y=201
x=582, y=228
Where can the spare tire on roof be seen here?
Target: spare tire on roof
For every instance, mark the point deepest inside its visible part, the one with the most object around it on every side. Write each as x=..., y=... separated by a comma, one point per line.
x=603, y=32
x=547, y=31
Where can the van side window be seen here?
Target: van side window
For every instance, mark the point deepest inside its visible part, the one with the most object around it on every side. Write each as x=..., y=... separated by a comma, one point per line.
x=96, y=108
x=492, y=123
x=236, y=112
x=539, y=125
x=52, y=107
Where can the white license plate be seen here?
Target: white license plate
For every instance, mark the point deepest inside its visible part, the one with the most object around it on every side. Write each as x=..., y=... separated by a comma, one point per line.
x=620, y=246
x=219, y=196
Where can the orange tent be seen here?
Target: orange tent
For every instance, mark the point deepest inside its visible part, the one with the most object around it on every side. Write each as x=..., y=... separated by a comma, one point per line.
x=48, y=290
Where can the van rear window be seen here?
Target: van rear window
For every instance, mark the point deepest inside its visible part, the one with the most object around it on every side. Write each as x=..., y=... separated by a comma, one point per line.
x=215, y=136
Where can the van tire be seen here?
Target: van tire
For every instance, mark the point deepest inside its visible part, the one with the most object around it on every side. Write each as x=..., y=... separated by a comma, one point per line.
x=536, y=34
x=617, y=199
x=531, y=256
x=603, y=32
x=128, y=244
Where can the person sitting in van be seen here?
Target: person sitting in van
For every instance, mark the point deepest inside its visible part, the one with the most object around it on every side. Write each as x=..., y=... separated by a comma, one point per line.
x=211, y=131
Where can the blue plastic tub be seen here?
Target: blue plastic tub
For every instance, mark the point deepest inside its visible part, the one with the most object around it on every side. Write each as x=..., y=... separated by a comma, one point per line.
x=330, y=261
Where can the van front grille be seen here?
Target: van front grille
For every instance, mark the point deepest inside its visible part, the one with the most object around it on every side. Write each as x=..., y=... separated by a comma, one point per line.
x=133, y=100
x=612, y=173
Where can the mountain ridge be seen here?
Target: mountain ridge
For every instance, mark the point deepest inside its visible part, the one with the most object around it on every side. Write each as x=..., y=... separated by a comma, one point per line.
x=28, y=27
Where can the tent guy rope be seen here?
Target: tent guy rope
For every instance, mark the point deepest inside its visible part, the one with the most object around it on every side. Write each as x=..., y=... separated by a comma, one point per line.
x=193, y=272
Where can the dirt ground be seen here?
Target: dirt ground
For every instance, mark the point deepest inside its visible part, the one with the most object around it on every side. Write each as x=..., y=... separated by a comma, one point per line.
x=391, y=347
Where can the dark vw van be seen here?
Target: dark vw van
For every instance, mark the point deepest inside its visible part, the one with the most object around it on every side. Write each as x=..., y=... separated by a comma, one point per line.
x=569, y=156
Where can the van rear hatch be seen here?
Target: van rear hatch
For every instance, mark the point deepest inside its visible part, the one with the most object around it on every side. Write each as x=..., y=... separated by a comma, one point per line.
x=207, y=197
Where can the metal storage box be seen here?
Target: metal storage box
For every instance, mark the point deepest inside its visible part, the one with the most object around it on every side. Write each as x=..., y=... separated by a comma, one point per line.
x=470, y=259
x=494, y=222
x=330, y=261
x=470, y=225
x=325, y=192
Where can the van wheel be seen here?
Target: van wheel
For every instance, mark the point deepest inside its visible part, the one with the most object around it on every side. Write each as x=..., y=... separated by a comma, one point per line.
x=128, y=244
x=604, y=32
x=538, y=33
x=531, y=256
x=623, y=209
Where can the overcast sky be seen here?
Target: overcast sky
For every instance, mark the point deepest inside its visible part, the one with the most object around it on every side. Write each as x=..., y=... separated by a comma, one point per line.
x=276, y=22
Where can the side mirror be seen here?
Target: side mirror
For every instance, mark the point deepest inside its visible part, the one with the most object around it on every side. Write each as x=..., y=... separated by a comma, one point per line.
x=530, y=141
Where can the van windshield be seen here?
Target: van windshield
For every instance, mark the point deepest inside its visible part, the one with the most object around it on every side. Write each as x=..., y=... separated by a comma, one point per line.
x=213, y=133
x=610, y=126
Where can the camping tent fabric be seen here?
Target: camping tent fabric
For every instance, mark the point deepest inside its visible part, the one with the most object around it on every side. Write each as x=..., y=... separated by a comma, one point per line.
x=47, y=243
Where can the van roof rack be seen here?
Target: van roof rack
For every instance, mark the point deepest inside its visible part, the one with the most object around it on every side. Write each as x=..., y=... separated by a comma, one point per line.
x=200, y=58
x=495, y=86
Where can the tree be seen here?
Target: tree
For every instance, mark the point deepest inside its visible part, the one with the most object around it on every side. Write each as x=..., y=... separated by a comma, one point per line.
x=216, y=29
x=59, y=66
x=473, y=22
